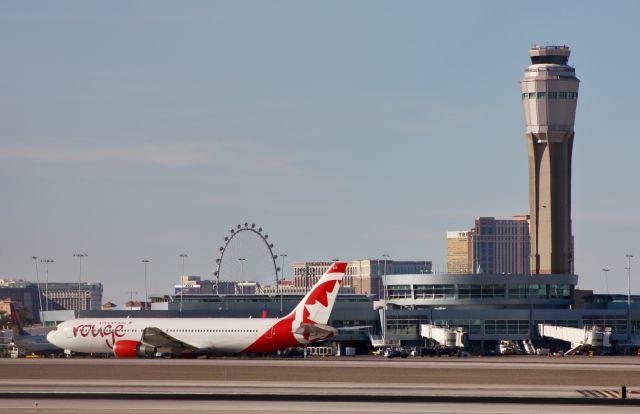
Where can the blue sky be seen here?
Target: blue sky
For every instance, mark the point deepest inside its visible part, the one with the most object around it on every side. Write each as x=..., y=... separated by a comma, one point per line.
x=145, y=129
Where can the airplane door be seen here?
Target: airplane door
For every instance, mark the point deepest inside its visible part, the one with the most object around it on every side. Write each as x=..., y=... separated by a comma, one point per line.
x=270, y=332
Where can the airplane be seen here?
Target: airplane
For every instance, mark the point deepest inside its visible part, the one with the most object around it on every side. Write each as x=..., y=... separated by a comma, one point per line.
x=29, y=344
x=144, y=337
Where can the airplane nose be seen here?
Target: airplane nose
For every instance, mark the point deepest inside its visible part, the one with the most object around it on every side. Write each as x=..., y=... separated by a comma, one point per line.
x=51, y=337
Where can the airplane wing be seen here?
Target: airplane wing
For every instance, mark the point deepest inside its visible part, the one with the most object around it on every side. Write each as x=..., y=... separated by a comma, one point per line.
x=160, y=339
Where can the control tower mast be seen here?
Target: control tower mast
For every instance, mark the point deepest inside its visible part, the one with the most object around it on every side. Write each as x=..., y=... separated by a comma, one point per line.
x=549, y=97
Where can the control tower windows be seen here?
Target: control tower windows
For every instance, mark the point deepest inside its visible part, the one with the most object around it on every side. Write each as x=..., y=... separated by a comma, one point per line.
x=550, y=95
x=553, y=59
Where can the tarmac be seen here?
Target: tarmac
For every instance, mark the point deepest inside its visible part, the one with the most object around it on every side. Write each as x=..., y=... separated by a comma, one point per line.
x=264, y=384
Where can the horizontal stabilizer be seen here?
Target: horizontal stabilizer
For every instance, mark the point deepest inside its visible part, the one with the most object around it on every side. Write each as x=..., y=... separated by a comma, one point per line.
x=316, y=330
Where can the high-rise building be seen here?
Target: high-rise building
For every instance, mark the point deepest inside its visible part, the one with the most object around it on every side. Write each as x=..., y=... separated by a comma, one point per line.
x=458, y=258
x=70, y=296
x=500, y=246
x=23, y=295
x=61, y=296
x=549, y=97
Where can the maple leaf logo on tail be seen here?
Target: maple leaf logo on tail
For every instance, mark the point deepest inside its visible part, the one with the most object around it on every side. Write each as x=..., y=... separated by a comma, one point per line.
x=307, y=322
x=316, y=306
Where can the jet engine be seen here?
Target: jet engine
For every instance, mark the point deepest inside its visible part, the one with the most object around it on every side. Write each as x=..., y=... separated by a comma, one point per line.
x=132, y=349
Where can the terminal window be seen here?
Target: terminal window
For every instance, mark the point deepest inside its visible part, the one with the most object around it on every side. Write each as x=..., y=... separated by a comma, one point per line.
x=435, y=291
x=506, y=327
x=469, y=291
x=617, y=325
x=517, y=291
x=481, y=291
x=405, y=326
x=538, y=291
x=399, y=292
x=560, y=291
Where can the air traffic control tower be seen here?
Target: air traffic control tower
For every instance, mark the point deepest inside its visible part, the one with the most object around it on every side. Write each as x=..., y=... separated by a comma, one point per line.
x=549, y=97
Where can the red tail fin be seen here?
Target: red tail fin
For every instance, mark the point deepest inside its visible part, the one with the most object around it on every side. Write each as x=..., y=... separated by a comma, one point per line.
x=316, y=306
x=16, y=324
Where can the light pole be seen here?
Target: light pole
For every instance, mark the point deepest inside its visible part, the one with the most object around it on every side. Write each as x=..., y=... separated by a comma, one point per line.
x=629, y=257
x=46, y=286
x=628, y=268
x=384, y=306
x=146, y=294
x=384, y=275
x=35, y=261
x=183, y=255
x=80, y=300
x=241, y=260
x=606, y=278
x=306, y=278
x=282, y=256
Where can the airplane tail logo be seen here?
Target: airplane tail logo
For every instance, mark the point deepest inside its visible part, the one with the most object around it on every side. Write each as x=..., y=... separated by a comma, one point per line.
x=307, y=322
x=16, y=324
x=315, y=308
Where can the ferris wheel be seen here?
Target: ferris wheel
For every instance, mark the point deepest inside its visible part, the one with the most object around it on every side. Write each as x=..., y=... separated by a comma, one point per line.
x=252, y=230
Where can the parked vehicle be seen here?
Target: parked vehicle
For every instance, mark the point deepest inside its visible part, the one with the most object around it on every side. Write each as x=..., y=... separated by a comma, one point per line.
x=393, y=353
x=16, y=352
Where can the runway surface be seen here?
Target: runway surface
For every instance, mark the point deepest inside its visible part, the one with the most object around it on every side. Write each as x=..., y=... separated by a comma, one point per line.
x=317, y=385
x=252, y=407
x=583, y=371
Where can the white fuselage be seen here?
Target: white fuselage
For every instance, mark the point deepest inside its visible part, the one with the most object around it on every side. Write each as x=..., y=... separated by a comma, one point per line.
x=217, y=335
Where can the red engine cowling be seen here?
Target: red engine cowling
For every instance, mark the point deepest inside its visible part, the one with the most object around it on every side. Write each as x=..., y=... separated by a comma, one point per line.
x=132, y=349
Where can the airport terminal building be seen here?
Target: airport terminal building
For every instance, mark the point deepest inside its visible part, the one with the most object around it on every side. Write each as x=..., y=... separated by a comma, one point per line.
x=491, y=308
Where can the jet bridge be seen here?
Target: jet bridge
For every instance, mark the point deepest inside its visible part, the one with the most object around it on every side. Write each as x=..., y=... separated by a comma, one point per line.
x=583, y=338
x=379, y=341
x=446, y=337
